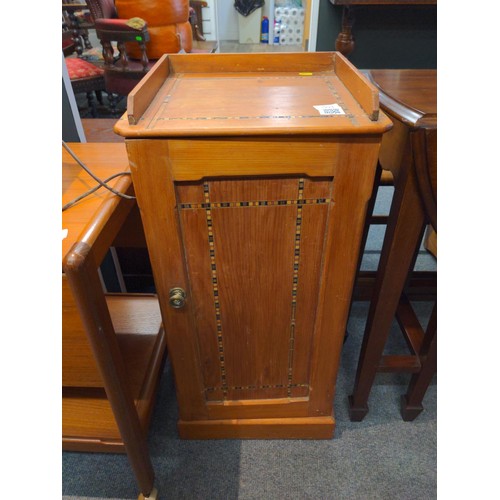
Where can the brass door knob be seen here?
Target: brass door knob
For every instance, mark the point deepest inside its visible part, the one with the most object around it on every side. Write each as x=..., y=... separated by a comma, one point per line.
x=177, y=298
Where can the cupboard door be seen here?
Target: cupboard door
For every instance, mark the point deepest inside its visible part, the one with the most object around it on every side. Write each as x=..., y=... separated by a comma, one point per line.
x=265, y=262
x=253, y=251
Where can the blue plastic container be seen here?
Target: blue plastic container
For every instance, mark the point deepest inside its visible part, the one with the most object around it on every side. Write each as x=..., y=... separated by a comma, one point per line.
x=264, y=32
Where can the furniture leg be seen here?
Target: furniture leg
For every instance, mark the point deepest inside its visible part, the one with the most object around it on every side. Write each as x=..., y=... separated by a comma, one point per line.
x=152, y=496
x=366, y=229
x=369, y=213
x=404, y=229
x=195, y=18
x=113, y=101
x=86, y=40
x=345, y=41
x=91, y=103
x=81, y=270
x=411, y=402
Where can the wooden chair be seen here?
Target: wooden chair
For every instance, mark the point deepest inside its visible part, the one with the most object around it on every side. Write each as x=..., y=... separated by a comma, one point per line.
x=85, y=77
x=166, y=30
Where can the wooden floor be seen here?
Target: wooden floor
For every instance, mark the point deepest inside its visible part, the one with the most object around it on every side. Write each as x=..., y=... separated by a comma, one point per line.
x=100, y=130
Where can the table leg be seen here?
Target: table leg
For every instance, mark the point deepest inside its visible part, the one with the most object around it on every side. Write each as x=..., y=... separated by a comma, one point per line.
x=345, y=41
x=404, y=230
x=411, y=402
x=83, y=278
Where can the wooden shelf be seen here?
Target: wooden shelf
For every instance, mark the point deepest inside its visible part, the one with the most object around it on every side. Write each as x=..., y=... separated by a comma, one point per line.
x=88, y=421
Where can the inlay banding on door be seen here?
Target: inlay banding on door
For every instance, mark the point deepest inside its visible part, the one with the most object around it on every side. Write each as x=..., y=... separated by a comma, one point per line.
x=248, y=278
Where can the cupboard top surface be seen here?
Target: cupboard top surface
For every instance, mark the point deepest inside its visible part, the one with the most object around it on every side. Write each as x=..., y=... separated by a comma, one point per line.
x=252, y=94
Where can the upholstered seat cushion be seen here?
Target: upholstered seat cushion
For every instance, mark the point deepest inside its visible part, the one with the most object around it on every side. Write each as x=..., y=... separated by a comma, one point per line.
x=78, y=68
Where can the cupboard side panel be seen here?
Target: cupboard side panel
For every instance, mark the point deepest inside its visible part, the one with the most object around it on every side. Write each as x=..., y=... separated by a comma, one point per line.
x=154, y=188
x=353, y=176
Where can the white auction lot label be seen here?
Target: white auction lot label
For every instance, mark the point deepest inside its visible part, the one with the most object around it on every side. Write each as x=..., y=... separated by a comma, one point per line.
x=330, y=109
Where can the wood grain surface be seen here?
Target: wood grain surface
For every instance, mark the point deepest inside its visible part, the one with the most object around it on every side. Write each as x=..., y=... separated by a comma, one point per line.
x=254, y=205
x=256, y=94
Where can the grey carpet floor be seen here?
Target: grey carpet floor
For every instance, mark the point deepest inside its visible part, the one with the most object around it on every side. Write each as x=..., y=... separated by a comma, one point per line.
x=379, y=458
x=382, y=457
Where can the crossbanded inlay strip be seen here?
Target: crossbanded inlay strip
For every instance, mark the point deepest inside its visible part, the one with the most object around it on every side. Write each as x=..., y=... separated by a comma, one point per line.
x=295, y=282
x=215, y=286
x=255, y=203
x=254, y=387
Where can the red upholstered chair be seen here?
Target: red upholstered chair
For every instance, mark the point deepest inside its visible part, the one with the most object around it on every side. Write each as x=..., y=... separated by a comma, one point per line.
x=166, y=30
x=85, y=77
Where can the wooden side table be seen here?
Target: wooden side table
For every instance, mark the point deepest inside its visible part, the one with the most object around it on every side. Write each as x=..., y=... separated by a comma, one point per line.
x=113, y=345
x=409, y=98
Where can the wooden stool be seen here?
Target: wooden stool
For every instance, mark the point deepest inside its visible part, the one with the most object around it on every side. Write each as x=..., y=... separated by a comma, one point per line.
x=409, y=152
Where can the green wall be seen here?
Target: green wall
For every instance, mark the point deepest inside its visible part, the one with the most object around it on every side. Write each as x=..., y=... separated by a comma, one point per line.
x=385, y=36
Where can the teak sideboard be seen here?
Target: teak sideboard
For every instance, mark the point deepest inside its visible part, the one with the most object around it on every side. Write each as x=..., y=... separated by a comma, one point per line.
x=253, y=202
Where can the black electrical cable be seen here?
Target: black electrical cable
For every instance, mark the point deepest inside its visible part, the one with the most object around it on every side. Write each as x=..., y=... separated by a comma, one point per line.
x=99, y=181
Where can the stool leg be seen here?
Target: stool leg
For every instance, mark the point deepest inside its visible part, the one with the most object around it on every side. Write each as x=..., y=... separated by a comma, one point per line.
x=404, y=230
x=369, y=212
x=411, y=402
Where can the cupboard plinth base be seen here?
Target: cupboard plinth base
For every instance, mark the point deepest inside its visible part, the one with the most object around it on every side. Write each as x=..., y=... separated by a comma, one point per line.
x=262, y=428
